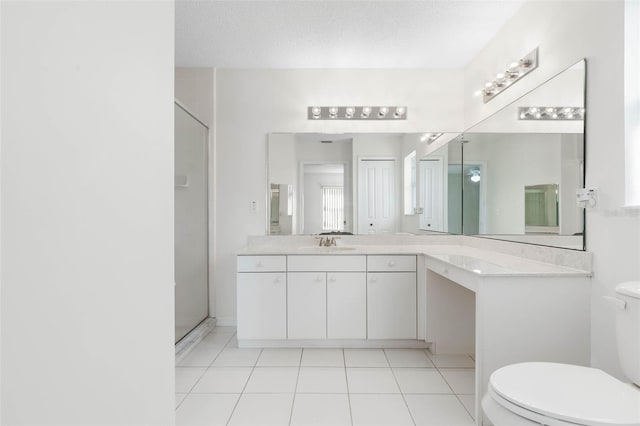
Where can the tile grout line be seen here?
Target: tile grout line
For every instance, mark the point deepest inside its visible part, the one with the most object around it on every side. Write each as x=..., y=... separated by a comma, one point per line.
x=244, y=388
x=451, y=387
x=406, y=404
x=346, y=378
x=295, y=389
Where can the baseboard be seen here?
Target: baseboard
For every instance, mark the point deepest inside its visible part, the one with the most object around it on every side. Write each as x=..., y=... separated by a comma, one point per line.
x=195, y=336
x=349, y=343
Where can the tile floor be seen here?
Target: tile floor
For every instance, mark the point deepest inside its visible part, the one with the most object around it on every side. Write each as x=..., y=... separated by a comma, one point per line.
x=219, y=384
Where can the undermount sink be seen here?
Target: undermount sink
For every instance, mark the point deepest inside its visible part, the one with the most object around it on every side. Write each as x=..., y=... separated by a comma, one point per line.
x=324, y=248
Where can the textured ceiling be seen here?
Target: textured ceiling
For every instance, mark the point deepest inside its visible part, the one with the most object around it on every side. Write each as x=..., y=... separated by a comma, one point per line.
x=336, y=34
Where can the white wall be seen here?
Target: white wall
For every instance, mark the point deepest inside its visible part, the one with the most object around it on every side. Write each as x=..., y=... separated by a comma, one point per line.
x=567, y=32
x=194, y=90
x=87, y=213
x=252, y=103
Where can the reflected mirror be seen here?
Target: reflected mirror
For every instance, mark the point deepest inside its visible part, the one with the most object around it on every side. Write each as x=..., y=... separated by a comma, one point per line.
x=360, y=183
x=522, y=167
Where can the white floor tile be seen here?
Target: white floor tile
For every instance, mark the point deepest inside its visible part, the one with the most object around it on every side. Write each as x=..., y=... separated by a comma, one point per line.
x=179, y=398
x=262, y=410
x=438, y=410
x=272, y=380
x=225, y=329
x=408, y=358
x=206, y=409
x=421, y=380
x=372, y=410
x=233, y=343
x=217, y=338
x=223, y=380
x=461, y=380
x=371, y=380
x=200, y=356
x=469, y=402
x=365, y=358
x=452, y=361
x=232, y=357
x=285, y=357
x=321, y=410
x=322, y=380
x=313, y=357
x=186, y=377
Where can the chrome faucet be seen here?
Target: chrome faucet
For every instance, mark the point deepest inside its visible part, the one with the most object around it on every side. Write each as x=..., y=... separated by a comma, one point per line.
x=327, y=242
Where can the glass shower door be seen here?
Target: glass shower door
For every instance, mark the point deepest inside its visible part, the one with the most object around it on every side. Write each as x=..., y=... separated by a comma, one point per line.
x=191, y=223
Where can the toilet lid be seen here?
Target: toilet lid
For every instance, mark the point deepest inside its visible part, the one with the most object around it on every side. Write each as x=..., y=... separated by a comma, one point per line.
x=581, y=395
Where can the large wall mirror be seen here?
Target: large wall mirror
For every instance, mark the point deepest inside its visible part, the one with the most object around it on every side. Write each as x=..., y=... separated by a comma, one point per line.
x=358, y=183
x=512, y=176
x=522, y=166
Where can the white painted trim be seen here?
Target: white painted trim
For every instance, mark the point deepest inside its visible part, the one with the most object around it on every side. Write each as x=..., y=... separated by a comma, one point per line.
x=191, y=340
x=334, y=343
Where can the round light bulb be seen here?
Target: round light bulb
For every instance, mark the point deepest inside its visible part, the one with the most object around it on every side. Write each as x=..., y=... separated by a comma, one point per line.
x=383, y=111
x=475, y=178
x=538, y=115
x=533, y=110
x=549, y=110
x=523, y=115
x=399, y=112
x=316, y=110
x=488, y=85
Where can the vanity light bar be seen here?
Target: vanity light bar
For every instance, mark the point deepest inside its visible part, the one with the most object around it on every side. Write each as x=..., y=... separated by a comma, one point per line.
x=430, y=137
x=514, y=72
x=555, y=113
x=357, y=113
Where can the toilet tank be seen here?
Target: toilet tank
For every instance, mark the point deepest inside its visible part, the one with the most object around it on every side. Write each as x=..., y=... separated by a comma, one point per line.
x=628, y=329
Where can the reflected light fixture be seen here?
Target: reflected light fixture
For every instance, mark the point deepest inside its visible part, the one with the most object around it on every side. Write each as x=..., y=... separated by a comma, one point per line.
x=357, y=113
x=551, y=113
x=475, y=175
x=430, y=137
x=514, y=72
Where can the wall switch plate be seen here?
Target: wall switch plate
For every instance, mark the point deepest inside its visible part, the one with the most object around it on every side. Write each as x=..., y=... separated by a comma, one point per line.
x=253, y=207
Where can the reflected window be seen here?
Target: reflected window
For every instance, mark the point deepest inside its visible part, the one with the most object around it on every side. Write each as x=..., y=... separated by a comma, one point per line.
x=410, y=183
x=332, y=208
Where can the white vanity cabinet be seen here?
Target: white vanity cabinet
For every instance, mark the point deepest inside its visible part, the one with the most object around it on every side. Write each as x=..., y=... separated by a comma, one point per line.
x=262, y=295
x=391, y=297
x=307, y=305
x=323, y=299
x=326, y=297
x=346, y=305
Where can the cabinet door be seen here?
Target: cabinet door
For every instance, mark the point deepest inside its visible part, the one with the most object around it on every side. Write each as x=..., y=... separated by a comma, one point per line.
x=391, y=305
x=347, y=305
x=307, y=305
x=262, y=305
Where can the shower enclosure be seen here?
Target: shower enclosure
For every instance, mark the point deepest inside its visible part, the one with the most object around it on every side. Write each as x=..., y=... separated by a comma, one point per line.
x=191, y=222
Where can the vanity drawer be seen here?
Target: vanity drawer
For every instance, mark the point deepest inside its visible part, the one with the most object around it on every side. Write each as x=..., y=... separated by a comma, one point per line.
x=262, y=263
x=327, y=263
x=391, y=263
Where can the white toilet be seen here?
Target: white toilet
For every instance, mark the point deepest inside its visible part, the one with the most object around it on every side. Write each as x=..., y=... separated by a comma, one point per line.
x=535, y=393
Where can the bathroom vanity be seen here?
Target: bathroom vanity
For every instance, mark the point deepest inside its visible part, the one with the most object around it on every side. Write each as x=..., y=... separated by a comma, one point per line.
x=504, y=302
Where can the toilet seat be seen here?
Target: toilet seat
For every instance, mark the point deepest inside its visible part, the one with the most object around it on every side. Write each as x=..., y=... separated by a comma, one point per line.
x=562, y=394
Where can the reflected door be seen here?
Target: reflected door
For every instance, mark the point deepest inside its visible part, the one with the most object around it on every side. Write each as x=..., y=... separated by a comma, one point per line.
x=377, y=204
x=191, y=223
x=431, y=186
